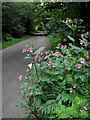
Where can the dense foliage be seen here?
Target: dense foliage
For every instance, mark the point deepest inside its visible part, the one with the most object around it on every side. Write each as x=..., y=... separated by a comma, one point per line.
x=20, y=18
x=17, y=18
x=56, y=83
x=57, y=87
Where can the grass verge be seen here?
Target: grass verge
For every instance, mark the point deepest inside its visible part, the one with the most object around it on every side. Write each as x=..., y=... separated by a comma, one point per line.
x=14, y=41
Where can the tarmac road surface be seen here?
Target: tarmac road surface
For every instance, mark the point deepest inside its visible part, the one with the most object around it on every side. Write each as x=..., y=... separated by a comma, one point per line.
x=13, y=64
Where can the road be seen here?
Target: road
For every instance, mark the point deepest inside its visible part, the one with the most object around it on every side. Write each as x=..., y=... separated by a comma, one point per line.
x=13, y=64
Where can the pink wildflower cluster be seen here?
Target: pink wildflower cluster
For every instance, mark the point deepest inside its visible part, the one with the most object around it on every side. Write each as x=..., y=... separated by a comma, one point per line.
x=71, y=89
x=36, y=57
x=84, y=108
x=53, y=64
x=81, y=42
x=20, y=77
x=57, y=54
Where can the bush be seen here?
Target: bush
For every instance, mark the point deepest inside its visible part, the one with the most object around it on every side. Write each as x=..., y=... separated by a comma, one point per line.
x=7, y=37
x=57, y=87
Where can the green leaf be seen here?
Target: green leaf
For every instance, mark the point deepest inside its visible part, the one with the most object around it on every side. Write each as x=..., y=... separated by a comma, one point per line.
x=37, y=102
x=73, y=28
x=72, y=39
x=82, y=77
x=27, y=57
x=74, y=47
x=76, y=76
x=58, y=97
x=37, y=51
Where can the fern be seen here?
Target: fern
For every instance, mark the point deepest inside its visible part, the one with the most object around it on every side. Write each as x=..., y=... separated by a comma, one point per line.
x=48, y=107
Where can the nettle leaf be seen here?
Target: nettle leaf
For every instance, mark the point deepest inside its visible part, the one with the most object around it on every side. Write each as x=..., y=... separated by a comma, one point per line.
x=73, y=28
x=82, y=77
x=61, y=77
x=37, y=51
x=76, y=76
x=27, y=57
x=75, y=47
x=70, y=38
x=37, y=102
x=59, y=97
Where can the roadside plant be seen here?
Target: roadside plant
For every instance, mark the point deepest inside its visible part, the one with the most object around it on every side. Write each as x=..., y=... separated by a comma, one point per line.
x=56, y=83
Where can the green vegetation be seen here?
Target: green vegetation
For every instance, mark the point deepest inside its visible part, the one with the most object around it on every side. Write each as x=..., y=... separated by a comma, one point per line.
x=14, y=41
x=60, y=76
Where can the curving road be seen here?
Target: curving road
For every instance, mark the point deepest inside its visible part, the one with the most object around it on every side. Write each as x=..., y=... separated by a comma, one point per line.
x=13, y=64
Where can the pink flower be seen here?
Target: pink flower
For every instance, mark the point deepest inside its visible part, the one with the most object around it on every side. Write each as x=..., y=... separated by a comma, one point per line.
x=81, y=47
x=85, y=44
x=87, y=54
x=36, y=93
x=31, y=49
x=81, y=111
x=21, y=91
x=27, y=50
x=85, y=108
x=65, y=46
x=46, y=52
x=38, y=64
x=25, y=83
x=82, y=60
x=81, y=42
x=50, y=63
x=43, y=49
x=45, y=57
x=57, y=54
x=74, y=86
x=66, y=51
x=79, y=65
x=49, y=53
x=20, y=78
x=36, y=56
x=37, y=115
x=62, y=46
x=42, y=53
x=23, y=51
x=27, y=70
x=21, y=87
x=71, y=90
x=27, y=54
x=87, y=33
x=72, y=25
x=66, y=64
x=39, y=60
x=39, y=52
x=58, y=44
x=31, y=79
x=82, y=35
x=53, y=64
x=30, y=92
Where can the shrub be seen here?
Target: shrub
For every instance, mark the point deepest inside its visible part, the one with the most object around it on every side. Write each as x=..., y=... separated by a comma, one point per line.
x=57, y=86
x=7, y=37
